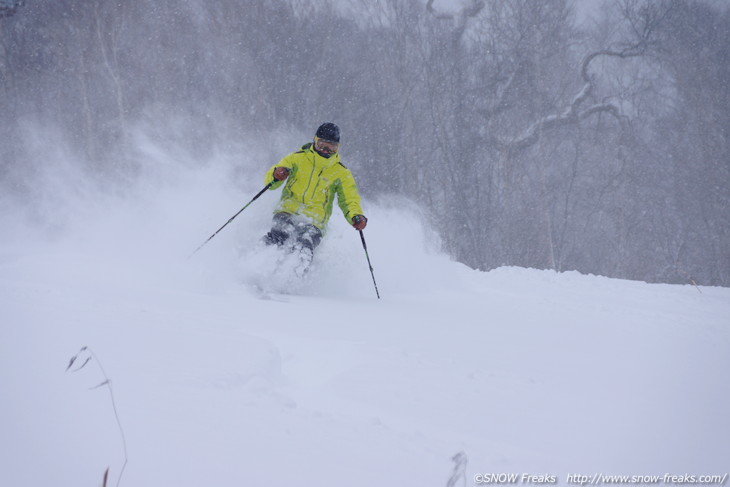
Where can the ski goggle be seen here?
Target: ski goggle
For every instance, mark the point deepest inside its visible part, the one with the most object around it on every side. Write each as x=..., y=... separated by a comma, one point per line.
x=326, y=146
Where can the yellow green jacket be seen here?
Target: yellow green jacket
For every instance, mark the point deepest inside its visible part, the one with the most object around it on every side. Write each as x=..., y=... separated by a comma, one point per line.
x=312, y=185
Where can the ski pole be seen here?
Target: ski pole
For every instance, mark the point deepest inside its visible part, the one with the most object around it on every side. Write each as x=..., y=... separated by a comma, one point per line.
x=365, y=247
x=234, y=216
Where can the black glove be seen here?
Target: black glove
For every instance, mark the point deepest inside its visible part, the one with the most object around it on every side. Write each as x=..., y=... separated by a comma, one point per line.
x=281, y=173
x=359, y=222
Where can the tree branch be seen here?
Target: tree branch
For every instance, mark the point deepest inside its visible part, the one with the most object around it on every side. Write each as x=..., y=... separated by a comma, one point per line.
x=462, y=16
x=432, y=11
x=643, y=19
x=9, y=7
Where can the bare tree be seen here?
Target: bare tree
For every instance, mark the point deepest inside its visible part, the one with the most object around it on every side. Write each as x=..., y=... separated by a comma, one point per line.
x=525, y=138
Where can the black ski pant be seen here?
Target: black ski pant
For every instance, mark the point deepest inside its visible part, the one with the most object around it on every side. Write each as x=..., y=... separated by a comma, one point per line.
x=293, y=231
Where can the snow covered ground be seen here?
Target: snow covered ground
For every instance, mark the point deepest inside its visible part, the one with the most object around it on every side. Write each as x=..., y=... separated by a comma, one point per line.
x=523, y=371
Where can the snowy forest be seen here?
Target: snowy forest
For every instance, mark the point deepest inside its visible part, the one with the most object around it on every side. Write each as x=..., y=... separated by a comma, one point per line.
x=526, y=135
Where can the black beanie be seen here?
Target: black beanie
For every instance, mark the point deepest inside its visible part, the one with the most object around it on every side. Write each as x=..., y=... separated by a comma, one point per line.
x=328, y=131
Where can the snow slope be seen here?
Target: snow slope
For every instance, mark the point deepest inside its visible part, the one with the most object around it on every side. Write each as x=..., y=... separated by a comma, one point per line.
x=524, y=371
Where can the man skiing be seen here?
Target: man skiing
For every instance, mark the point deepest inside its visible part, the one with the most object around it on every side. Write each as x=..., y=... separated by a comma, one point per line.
x=314, y=175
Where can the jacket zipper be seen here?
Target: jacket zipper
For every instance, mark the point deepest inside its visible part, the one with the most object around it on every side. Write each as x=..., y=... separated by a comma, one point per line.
x=309, y=183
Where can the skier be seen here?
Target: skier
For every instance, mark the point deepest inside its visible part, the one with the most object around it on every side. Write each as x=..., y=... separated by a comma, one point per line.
x=314, y=176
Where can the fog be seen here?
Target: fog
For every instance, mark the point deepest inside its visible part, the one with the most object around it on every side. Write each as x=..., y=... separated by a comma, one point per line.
x=527, y=134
